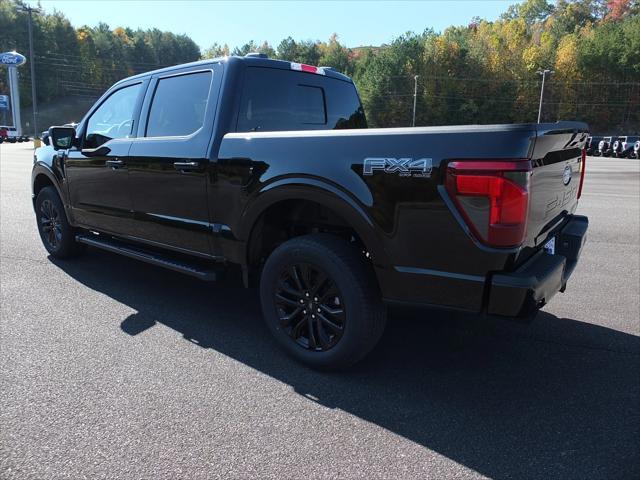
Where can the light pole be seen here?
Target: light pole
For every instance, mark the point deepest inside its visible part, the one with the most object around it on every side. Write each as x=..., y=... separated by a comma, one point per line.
x=32, y=61
x=544, y=76
x=415, y=96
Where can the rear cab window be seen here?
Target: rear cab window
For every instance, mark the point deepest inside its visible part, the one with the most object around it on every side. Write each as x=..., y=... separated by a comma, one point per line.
x=279, y=100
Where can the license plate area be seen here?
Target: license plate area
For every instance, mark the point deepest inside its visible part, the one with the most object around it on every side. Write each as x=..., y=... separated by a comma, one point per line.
x=550, y=246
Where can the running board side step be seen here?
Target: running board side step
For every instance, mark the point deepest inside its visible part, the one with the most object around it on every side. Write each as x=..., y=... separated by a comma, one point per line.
x=208, y=274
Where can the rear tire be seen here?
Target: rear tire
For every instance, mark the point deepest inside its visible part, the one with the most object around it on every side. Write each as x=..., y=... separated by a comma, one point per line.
x=321, y=301
x=58, y=237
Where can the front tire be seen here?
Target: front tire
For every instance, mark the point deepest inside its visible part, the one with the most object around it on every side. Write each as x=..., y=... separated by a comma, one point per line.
x=321, y=301
x=58, y=237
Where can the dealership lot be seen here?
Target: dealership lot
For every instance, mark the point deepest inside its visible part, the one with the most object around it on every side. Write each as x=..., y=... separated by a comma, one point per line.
x=110, y=368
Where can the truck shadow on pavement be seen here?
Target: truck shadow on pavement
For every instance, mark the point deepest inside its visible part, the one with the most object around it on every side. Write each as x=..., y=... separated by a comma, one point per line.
x=556, y=399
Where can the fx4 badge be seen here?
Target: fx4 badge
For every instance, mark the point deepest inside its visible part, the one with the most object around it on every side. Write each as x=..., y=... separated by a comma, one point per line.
x=405, y=167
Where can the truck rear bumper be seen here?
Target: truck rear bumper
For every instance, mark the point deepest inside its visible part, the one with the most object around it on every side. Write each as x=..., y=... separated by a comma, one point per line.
x=517, y=294
x=521, y=293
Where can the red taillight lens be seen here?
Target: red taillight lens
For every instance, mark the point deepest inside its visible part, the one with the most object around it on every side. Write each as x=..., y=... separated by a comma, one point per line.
x=583, y=164
x=493, y=198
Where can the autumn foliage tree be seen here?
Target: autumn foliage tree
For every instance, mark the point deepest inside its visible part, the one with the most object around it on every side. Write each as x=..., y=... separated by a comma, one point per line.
x=484, y=72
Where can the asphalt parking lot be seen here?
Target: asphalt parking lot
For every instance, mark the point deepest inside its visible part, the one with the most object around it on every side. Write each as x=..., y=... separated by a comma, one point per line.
x=110, y=368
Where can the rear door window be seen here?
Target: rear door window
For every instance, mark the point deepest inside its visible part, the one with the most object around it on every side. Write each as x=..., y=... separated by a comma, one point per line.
x=179, y=105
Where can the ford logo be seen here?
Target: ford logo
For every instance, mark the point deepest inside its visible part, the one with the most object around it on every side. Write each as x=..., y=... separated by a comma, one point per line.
x=566, y=175
x=13, y=59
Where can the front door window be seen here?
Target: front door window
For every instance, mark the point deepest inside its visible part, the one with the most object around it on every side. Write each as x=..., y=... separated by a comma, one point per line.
x=114, y=118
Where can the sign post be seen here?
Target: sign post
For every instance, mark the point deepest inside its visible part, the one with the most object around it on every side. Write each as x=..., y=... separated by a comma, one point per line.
x=12, y=60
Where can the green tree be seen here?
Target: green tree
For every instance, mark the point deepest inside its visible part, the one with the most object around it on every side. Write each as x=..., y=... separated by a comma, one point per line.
x=333, y=54
x=484, y=72
x=216, y=50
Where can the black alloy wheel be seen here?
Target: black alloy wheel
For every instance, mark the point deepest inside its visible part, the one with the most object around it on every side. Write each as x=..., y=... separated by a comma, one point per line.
x=50, y=223
x=310, y=307
x=321, y=301
x=58, y=237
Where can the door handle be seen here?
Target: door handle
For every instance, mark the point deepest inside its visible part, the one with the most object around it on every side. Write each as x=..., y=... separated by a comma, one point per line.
x=114, y=163
x=182, y=166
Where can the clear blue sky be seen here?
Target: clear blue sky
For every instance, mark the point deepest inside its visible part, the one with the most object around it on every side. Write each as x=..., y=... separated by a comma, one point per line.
x=235, y=23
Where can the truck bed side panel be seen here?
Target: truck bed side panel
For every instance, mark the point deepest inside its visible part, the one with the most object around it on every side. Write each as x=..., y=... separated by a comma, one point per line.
x=421, y=238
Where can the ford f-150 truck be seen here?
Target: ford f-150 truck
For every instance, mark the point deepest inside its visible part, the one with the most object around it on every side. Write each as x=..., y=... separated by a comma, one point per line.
x=269, y=165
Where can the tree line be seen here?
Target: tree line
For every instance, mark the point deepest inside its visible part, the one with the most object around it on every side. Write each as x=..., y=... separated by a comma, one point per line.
x=483, y=72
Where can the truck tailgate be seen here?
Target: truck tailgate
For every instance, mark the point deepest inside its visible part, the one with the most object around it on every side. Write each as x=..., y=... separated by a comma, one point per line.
x=555, y=179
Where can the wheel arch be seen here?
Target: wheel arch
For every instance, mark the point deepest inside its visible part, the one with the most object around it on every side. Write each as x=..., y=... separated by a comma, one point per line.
x=315, y=192
x=42, y=177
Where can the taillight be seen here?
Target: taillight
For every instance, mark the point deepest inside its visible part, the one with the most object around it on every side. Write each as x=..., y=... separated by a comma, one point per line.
x=583, y=165
x=493, y=198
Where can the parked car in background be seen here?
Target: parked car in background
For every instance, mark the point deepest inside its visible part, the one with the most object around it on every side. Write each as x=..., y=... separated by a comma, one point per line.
x=623, y=147
x=9, y=134
x=605, y=146
x=615, y=147
x=592, y=144
x=44, y=136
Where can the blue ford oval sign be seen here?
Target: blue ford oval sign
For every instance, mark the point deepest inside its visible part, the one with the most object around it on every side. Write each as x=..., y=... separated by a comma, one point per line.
x=13, y=59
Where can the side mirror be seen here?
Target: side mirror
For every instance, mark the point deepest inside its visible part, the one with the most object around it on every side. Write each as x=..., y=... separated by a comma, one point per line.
x=62, y=138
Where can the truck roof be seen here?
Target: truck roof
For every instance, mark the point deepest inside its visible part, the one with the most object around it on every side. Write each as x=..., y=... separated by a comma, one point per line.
x=248, y=60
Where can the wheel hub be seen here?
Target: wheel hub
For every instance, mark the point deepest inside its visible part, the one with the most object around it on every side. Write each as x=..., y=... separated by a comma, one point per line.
x=310, y=308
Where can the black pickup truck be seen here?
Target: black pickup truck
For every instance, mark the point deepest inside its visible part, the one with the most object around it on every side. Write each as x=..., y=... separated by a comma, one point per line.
x=269, y=165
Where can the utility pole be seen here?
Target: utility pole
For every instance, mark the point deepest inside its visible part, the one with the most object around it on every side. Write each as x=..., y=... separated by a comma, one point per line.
x=415, y=97
x=32, y=61
x=544, y=76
